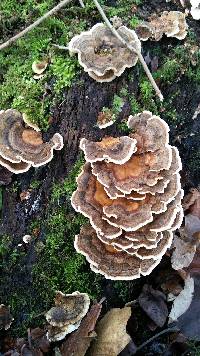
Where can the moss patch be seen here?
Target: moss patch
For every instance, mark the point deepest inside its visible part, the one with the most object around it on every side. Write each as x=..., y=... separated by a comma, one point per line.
x=18, y=88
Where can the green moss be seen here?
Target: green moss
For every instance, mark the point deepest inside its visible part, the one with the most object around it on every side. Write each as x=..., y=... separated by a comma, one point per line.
x=194, y=348
x=124, y=290
x=68, y=186
x=117, y=105
x=4, y=246
x=122, y=8
x=168, y=71
x=134, y=21
x=35, y=184
x=146, y=90
x=56, y=264
x=18, y=88
x=135, y=106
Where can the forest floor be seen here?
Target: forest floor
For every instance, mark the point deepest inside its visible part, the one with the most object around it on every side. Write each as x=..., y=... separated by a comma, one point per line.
x=67, y=101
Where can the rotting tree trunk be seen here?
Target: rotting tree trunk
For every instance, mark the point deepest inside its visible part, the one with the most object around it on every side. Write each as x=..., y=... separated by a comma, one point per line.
x=74, y=117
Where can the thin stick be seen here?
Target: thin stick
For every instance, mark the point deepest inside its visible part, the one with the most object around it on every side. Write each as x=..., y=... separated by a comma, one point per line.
x=131, y=48
x=35, y=24
x=169, y=330
x=81, y=3
x=61, y=47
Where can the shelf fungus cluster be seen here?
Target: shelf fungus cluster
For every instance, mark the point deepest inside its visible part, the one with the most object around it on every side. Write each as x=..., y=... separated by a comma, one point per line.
x=21, y=144
x=66, y=315
x=102, y=55
x=130, y=190
x=172, y=24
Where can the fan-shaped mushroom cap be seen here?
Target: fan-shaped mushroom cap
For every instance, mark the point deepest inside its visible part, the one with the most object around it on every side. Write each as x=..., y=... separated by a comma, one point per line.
x=108, y=261
x=5, y=317
x=69, y=309
x=56, y=333
x=133, y=206
x=20, y=147
x=102, y=55
x=138, y=171
x=83, y=201
x=175, y=24
x=66, y=315
x=170, y=23
x=39, y=67
x=113, y=149
x=29, y=123
x=144, y=31
x=150, y=131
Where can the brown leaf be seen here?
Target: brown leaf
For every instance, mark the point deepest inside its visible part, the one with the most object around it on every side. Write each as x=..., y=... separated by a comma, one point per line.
x=112, y=337
x=192, y=202
x=153, y=303
x=39, y=339
x=172, y=284
x=189, y=322
x=186, y=244
x=25, y=195
x=79, y=341
x=183, y=254
x=182, y=301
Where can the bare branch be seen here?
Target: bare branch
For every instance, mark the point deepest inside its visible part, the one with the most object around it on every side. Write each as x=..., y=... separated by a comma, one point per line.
x=35, y=24
x=81, y=3
x=169, y=330
x=64, y=48
x=131, y=48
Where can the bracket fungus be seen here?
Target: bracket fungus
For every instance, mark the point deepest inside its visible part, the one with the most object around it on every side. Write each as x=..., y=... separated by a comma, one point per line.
x=22, y=147
x=102, y=55
x=66, y=315
x=170, y=23
x=130, y=190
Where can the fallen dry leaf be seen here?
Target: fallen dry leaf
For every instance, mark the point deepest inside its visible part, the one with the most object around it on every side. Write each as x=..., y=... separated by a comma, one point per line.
x=171, y=283
x=182, y=301
x=153, y=303
x=192, y=225
x=79, y=341
x=112, y=337
x=183, y=254
x=39, y=340
x=192, y=202
x=186, y=244
x=189, y=321
x=25, y=195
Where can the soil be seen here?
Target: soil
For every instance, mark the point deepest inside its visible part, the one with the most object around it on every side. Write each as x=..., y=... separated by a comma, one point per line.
x=74, y=116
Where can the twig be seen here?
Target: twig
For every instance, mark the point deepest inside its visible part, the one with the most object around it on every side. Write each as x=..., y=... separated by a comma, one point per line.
x=29, y=338
x=35, y=24
x=81, y=3
x=166, y=331
x=131, y=48
x=61, y=47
